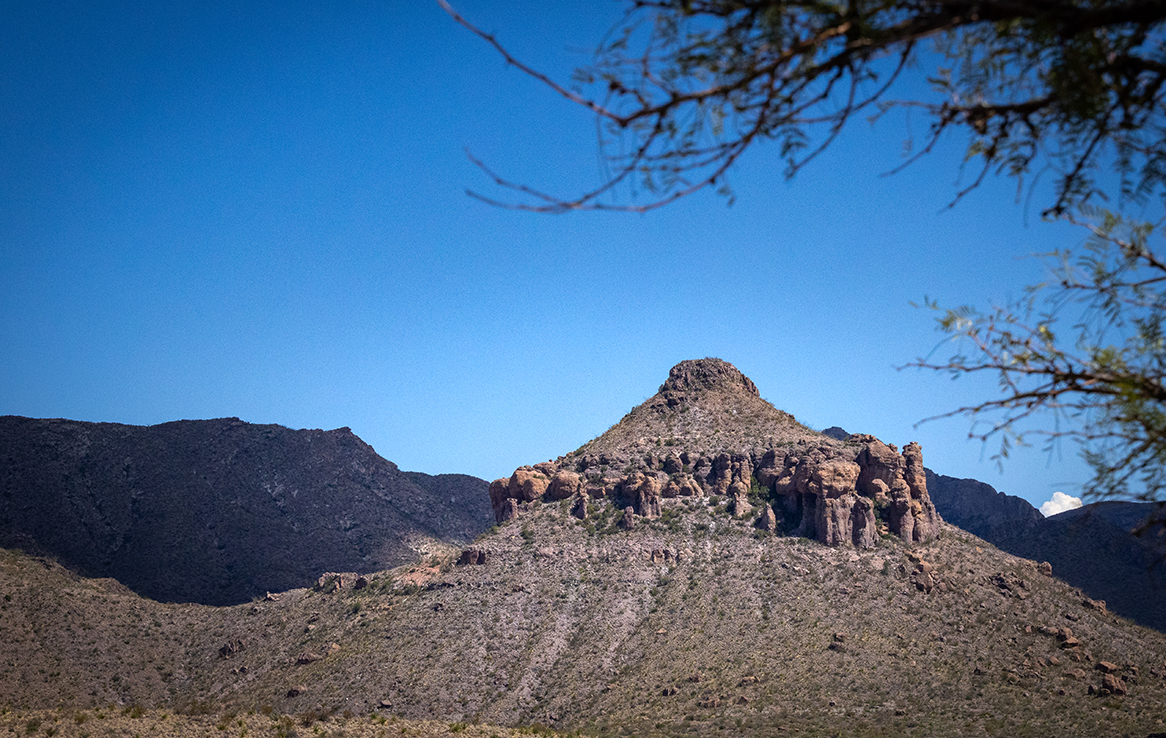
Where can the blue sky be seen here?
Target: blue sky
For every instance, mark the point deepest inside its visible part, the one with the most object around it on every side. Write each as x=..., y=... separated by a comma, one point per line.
x=257, y=210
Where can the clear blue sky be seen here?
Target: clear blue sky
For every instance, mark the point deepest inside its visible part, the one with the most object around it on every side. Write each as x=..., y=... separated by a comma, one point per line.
x=256, y=209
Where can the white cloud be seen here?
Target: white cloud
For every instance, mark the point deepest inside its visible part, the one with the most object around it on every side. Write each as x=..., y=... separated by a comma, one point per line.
x=1059, y=504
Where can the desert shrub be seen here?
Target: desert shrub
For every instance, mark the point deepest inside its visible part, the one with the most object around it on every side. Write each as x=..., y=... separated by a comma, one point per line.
x=308, y=717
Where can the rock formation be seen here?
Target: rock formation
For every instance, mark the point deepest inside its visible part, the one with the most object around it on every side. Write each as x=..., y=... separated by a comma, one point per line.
x=707, y=433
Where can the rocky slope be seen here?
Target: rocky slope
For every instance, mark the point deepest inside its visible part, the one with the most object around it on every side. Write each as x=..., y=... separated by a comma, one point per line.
x=1093, y=547
x=220, y=511
x=689, y=624
x=708, y=433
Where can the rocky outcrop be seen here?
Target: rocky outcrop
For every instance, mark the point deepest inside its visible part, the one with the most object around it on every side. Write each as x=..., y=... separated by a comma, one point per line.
x=840, y=492
x=473, y=557
x=838, y=495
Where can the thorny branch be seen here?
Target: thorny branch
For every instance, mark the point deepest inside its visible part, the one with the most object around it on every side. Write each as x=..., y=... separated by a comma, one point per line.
x=1029, y=81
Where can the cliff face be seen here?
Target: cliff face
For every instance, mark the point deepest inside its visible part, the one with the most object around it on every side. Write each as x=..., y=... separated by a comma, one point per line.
x=707, y=434
x=220, y=511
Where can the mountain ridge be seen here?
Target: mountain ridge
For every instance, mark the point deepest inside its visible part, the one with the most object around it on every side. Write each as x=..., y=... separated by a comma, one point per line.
x=220, y=511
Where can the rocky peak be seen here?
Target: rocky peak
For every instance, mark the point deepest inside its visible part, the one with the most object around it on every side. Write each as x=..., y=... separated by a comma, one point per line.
x=708, y=436
x=695, y=375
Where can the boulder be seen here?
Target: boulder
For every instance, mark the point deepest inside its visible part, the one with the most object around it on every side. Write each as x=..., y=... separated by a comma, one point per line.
x=767, y=520
x=1113, y=685
x=579, y=508
x=527, y=484
x=563, y=485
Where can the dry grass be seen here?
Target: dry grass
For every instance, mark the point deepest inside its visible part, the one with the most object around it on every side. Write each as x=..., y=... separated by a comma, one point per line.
x=115, y=720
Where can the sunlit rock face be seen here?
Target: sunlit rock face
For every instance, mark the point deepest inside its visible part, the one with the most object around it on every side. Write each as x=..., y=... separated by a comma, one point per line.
x=707, y=434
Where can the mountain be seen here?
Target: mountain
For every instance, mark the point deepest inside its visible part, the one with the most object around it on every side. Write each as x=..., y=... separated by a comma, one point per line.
x=220, y=511
x=1093, y=547
x=978, y=508
x=707, y=432
x=603, y=603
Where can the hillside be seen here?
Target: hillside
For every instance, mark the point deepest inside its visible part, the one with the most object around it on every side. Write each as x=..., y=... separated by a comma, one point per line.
x=220, y=511
x=682, y=627
x=617, y=597
x=1092, y=547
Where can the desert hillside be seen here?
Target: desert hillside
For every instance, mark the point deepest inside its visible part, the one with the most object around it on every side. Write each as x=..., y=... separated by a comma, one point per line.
x=686, y=587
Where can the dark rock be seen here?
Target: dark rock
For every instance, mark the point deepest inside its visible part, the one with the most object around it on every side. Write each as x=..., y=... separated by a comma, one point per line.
x=579, y=507
x=230, y=648
x=221, y=511
x=472, y=557
x=767, y=520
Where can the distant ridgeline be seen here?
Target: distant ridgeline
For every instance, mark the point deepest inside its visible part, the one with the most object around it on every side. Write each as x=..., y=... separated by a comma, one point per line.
x=708, y=433
x=1092, y=547
x=220, y=511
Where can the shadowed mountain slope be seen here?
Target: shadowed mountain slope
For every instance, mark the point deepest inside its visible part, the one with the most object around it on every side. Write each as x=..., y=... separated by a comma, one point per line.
x=220, y=511
x=1091, y=547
